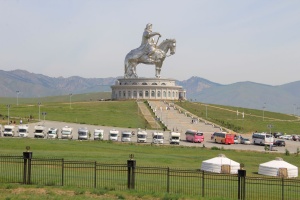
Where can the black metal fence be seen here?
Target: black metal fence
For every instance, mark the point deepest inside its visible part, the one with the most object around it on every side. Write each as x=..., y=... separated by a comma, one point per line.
x=59, y=172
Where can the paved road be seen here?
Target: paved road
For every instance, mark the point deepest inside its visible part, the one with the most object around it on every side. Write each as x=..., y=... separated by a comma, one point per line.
x=291, y=145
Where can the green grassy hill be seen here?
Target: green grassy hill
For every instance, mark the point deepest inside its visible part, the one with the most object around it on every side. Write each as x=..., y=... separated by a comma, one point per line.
x=88, y=109
x=253, y=120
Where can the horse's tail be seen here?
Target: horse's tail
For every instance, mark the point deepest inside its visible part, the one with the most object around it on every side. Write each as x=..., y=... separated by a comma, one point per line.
x=125, y=65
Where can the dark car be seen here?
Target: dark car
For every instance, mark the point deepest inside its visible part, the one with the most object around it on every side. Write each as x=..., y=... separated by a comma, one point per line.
x=279, y=143
x=276, y=135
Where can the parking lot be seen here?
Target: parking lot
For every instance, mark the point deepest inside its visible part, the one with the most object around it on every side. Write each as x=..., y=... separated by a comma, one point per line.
x=291, y=146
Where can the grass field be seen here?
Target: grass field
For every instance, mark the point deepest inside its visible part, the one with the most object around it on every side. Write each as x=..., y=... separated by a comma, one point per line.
x=104, y=113
x=145, y=154
x=84, y=109
x=254, y=120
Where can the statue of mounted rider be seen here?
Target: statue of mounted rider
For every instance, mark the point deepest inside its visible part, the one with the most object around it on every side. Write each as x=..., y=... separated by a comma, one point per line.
x=148, y=53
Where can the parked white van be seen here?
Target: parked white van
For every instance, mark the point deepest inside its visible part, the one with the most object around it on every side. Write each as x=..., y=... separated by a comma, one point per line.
x=158, y=138
x=83, y=133
x=113, y=135
x=98, y=134
x=141, y=136
x=9, y=130
x=23, y=130
x=66, y=132
x=174, y=138
x=52, y=133
x=126, y=136
x=39, y=131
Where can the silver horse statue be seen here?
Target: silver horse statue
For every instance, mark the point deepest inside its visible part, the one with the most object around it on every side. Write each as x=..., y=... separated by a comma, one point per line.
x=148, y=53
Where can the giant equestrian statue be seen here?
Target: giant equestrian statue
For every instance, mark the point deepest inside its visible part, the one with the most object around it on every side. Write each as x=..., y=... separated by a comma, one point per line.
x=148, y=53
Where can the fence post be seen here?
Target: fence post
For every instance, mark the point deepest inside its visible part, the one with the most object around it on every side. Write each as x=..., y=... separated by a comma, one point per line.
x=95, y=175
x=203, y=183
x=241, y=184
x=27, y=166
x=131, y=173
x=62, y=171
x=168, y=180
x=282, y=188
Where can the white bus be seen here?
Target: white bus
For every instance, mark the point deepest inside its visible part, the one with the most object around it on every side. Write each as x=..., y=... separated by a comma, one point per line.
x=262, y=138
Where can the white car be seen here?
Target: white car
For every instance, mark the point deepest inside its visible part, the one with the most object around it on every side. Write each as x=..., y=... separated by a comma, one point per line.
x=285, y=137
x=52, y=133
x=245, y=141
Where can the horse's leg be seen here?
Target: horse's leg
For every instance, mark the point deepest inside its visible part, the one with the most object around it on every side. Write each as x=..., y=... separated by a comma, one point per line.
x=133, y=70
x=158, y=69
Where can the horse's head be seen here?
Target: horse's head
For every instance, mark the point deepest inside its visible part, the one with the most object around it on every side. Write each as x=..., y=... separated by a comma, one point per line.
x=168, y=44
x=173, y=46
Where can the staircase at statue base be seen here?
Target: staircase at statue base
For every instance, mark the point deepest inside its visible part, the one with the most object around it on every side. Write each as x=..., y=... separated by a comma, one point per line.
x=176, y=119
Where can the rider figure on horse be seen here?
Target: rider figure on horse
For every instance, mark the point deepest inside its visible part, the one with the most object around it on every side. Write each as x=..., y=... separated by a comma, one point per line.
x=148, y=44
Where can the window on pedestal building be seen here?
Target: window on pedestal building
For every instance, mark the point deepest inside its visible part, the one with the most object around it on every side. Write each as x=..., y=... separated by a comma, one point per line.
x=134, y=83
x=129, y=94
x=164, y=93
x=144, y=84
x=120, y=94
x=163, y=84
x=154, y=84
x=152, y=93
x=158, y=93
x=140, y=93
x=134, y=94
x=169, y=94
x=146, y=93
x=173, y=94
x=124, y=93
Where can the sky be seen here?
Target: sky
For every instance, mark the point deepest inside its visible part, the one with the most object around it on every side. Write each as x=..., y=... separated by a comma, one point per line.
x=221, y=41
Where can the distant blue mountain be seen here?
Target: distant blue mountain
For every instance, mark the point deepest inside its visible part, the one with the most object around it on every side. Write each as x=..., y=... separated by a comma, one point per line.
x=283, y=98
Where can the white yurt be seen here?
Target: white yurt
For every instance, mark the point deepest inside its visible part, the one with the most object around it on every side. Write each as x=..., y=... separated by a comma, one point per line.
x=278, y=167
x=220, y=164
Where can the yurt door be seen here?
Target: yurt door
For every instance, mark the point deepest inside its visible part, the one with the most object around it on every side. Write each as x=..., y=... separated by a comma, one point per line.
x=282, y=172
x=225, y=169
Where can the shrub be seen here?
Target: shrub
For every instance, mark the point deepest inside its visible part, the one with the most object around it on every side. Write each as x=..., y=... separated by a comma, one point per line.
x=287, y=152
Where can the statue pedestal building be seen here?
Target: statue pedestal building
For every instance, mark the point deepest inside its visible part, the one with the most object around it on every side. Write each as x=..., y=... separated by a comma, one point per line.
x=147, y=88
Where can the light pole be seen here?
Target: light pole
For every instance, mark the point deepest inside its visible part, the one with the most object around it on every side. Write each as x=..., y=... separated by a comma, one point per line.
x=17, y=97
x=70, y=99
x=206, y=110
x=39, y=104
x=44, y=114
x=8, y=106
x=264, y=111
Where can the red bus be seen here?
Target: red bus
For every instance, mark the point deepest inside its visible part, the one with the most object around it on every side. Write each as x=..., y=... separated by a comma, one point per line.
x=223, y=137
x=194, y=136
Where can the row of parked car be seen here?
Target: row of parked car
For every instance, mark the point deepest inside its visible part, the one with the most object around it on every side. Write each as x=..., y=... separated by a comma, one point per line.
x=40, y=131
x=293, y=137
x=67, y=132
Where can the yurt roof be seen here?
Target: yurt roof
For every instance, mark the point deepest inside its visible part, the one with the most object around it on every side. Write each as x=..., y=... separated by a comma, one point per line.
x=222, y=160
x=278, y=163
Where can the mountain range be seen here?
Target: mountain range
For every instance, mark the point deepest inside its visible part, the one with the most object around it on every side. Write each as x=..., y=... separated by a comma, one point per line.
x=282, y=98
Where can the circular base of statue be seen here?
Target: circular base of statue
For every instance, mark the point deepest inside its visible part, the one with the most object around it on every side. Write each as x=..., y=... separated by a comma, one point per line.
x=147, y=88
